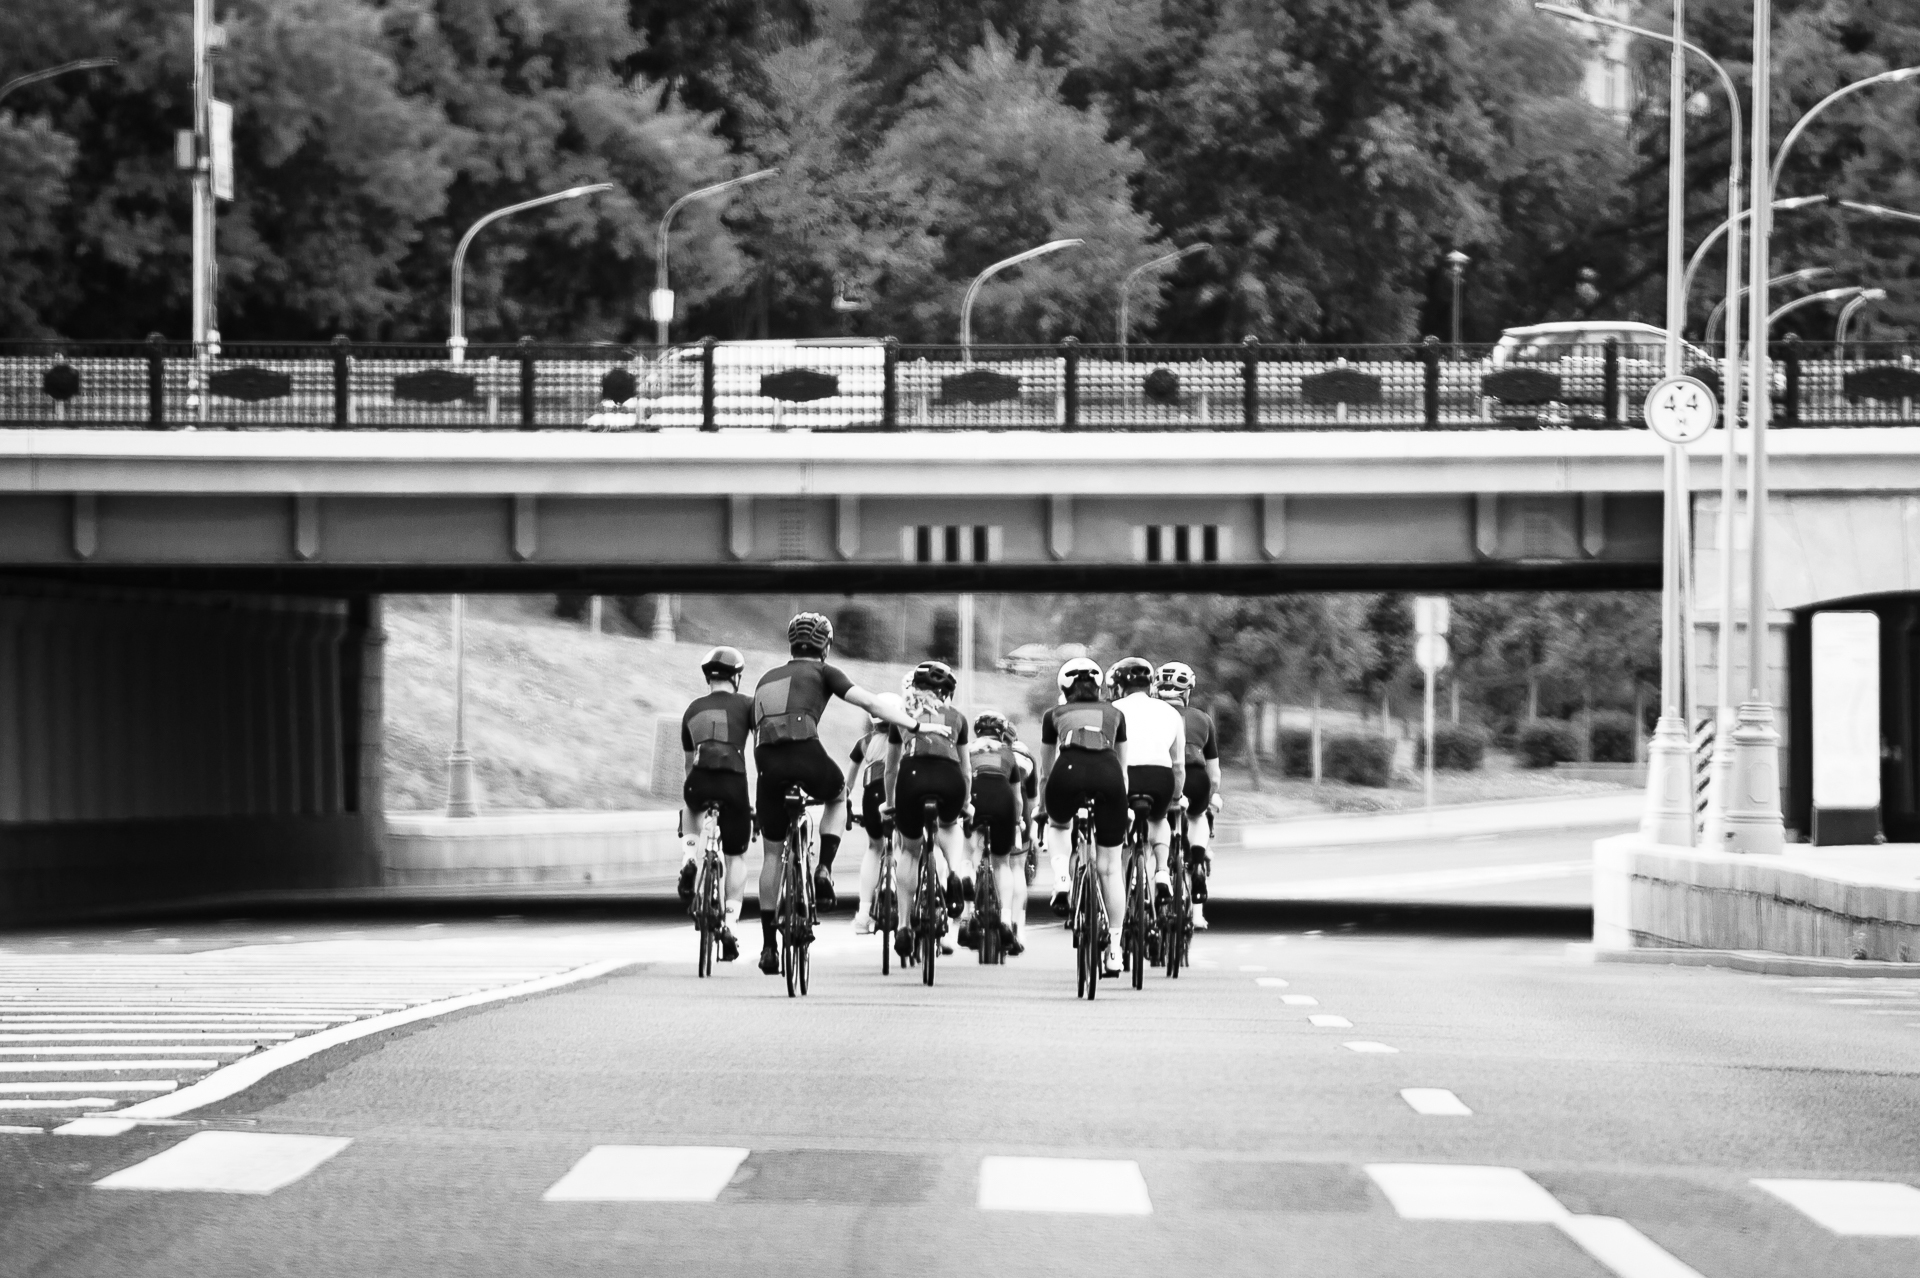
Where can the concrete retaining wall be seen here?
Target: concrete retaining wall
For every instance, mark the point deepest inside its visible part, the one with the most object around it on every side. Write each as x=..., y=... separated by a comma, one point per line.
x=1860, y=903
x=555, y=848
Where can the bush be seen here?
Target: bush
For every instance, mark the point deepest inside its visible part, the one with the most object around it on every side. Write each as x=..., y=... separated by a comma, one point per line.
x=1545, y=742
x=1613, y=737
x=944, y=645
x=858, y=635
x=1295, y=746
x=1226, y=726
x=1361, y=758
x=1457, y=747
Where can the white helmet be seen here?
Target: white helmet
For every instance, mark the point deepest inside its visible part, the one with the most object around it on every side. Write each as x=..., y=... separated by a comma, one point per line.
x=1173, y=681
x=1076, y=669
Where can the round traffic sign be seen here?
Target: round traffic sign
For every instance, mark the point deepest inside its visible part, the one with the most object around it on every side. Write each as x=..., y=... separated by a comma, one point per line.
x=1430, y=652
x=1681, y=409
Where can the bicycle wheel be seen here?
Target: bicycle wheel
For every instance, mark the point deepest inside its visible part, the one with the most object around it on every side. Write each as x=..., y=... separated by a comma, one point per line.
x=927, y=911
x=1174, y=943
x=1137, y=899
x=1094, y=953
x=788, y=916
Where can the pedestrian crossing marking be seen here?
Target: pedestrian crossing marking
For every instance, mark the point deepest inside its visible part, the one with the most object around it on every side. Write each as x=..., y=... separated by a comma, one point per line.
x=1329, y=1021
x=1436, y=1102
x=228, y=1163
x=96, y=1127
x=648, y=1174
x=1299, y=1000
x=1082, y=1186
x=1623, y=1249
x=1440, y=1191
x=1853, y=1208
x=1371, y=1049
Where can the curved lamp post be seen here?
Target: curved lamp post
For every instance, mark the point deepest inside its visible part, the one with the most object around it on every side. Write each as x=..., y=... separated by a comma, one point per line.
x=1457, y=269
x=1126, y=284
x=973, y=289
x=35, y=77
x=1713, y=237
x=661, y=303
x=457, y=341
x=1828, y=295
x=1847, y=312
x=1879, y=210
x=1802, y=276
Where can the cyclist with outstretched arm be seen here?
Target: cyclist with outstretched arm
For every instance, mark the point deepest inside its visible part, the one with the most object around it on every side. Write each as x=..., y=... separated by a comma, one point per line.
x=787, y=706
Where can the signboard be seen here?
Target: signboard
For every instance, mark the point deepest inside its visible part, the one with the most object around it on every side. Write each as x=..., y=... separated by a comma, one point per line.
x=1846, y=710
x=1431, y=615
x=220, y=147
x=1430, y=652
x=1681, y=409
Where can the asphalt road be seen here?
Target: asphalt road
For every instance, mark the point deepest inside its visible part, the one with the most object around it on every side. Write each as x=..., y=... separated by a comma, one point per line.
x=1620, y=1117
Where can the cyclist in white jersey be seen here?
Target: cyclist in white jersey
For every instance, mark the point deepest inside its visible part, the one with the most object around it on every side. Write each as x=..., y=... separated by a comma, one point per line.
x=1156, y=754
x=1174, y=683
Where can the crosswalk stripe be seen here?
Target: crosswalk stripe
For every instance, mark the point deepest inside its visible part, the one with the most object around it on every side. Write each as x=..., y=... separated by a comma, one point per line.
x=135, y=1038
x=77, y=1102
x=1623, y=1249
x=647, y=1173
x=1327, y=1020
x=1299, y=1000
x=1442, y=1191
x=1371, y=1049
x=1435, y=1102
x=117, y=1085
x=142, y=1049
x=79, y=1067
x=228, y=1163
x=1086, y=1186
x=1853, y=1208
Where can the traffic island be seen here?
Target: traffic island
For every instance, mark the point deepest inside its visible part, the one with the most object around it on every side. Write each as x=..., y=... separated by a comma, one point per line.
x=1851, y=904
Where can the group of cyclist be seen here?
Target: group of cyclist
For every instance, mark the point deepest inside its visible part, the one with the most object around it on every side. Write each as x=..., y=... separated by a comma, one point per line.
x=956, y=789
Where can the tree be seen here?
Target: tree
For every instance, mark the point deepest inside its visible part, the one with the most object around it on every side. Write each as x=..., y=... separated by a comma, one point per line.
x=1328, y=645
x=1388, y=622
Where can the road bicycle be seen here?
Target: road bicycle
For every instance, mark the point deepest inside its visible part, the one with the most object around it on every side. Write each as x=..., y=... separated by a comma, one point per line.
x=796, y=915
x=1138, y=934
x=1086, y=918
x=987, y=914
x=886, y=901
x=709, y=907
x=1176, y=927
x=929, y=904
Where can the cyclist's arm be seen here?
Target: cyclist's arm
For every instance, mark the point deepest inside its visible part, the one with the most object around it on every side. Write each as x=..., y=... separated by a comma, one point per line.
x=893, y=769
x=859, y=696
x=853, y=779
x=1179, y=756
x=1047, y=752
x=1120, y=753
x=1215, y=801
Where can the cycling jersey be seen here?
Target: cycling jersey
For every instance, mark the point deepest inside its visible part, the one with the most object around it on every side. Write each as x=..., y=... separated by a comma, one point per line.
x=789, y=700
x=990, y=757
x=714, y=730
x=1083, y=725
x=1202, y=745
x=933, y=745
x=1156, y=733
x=1030, y=784
x=870, y=757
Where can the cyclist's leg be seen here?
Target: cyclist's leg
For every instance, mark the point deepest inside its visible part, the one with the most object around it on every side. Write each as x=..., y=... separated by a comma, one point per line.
x=1111, y=864
x=771, y=800
x=1058, y=804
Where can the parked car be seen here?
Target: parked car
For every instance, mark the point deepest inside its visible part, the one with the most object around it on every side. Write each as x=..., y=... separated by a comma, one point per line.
x=1038, y=658
x=1575, y=351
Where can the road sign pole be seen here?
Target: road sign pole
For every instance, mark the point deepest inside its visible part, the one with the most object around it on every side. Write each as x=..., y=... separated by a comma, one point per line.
x=1429, y=768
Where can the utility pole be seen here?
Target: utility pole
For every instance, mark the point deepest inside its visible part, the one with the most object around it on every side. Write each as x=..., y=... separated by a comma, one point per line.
x=205, y=322
x=1431, y=620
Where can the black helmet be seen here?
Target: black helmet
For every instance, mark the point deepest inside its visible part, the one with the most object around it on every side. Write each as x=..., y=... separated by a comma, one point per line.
x=934, y=676
x=1130, y=674
x=723, y=663
x=993, y=724
x=809, y=630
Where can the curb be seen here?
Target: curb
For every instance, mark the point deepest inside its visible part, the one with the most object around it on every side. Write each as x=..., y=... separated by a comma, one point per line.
x=1763, y=962
x=1502, y=816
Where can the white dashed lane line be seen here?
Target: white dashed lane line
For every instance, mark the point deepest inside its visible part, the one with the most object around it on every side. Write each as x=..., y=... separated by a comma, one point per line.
x=1271, y=982
x=648, y=1174
x=1435, y=1102
x=1328, y=1021
x=1853, y=1208
x=1371, y=1049
x=228, y=1163
x=1299, y=1000
x=1084, y=1186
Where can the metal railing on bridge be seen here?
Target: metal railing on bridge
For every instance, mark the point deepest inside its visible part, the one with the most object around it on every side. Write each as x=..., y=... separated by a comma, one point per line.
x=864, y=385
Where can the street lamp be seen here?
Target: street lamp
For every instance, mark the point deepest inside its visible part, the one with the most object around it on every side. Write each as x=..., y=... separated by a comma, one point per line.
x=35, y=77
x=661, y=303
x=1830, y=295
x=457, y=341
x=1700, y=254
x=1867, y=296
x=1751, y=820
x=1804, y=275
x=973, y=289
x=1879, y=210
x=1127, y=284
x=1457, y=268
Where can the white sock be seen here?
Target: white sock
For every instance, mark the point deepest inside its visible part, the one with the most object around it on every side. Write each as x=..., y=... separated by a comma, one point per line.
x=1059, y=852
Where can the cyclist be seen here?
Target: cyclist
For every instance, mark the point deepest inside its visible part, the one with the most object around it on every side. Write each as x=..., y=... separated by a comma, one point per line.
x=714, y=732
x=922, y=766
x=1174, y=683
x=1083, y=758
x=1156, y=754
x=787, y=705
x=1000, y=773
x=867, y=777
x=1029, y=801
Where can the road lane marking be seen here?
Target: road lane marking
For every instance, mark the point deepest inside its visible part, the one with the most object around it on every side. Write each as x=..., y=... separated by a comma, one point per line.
x=48, y=1067
x=1327, y=1020
x=1369, y=886
x=1444, y=1191
x=7, y=1129
x=648, y=1174
x=1299, y=1000
x=118, y=1085
x=1271, y=982
x=228, y=1163
x=135, y=1038
x=1623, y=1249
x=1086, y=1186
x=1372, y=1049
x=1435, y=1101
x=95, y=1127
x=1853, y=1208
x=143, y=1049
x=78, y=1102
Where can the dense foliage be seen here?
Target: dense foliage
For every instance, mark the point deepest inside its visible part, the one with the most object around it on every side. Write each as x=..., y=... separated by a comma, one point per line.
x=1330, y=152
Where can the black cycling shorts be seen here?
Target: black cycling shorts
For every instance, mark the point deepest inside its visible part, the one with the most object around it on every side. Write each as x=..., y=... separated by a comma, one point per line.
x=1152, y=781
x=728, y=789
x=872, y=798
x=1081, y=775
x=1199, y=794
x=996, y=809
x=803, y=763
x=922, y=779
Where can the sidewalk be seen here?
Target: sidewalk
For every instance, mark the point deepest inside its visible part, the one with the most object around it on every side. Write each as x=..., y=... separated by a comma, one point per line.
x=1506, y=817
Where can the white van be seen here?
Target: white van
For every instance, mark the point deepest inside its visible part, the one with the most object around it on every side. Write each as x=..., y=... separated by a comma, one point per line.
x=780, y=384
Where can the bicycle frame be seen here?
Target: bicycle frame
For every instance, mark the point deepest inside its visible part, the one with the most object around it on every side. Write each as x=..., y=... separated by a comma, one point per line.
x=795, y=900
x=709, y=907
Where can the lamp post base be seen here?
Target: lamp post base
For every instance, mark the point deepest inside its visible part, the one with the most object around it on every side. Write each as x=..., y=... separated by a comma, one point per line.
x=1750, y=819
x=1668, y=816
x=460, y=787
x=1719, y=782
x=663, y=618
